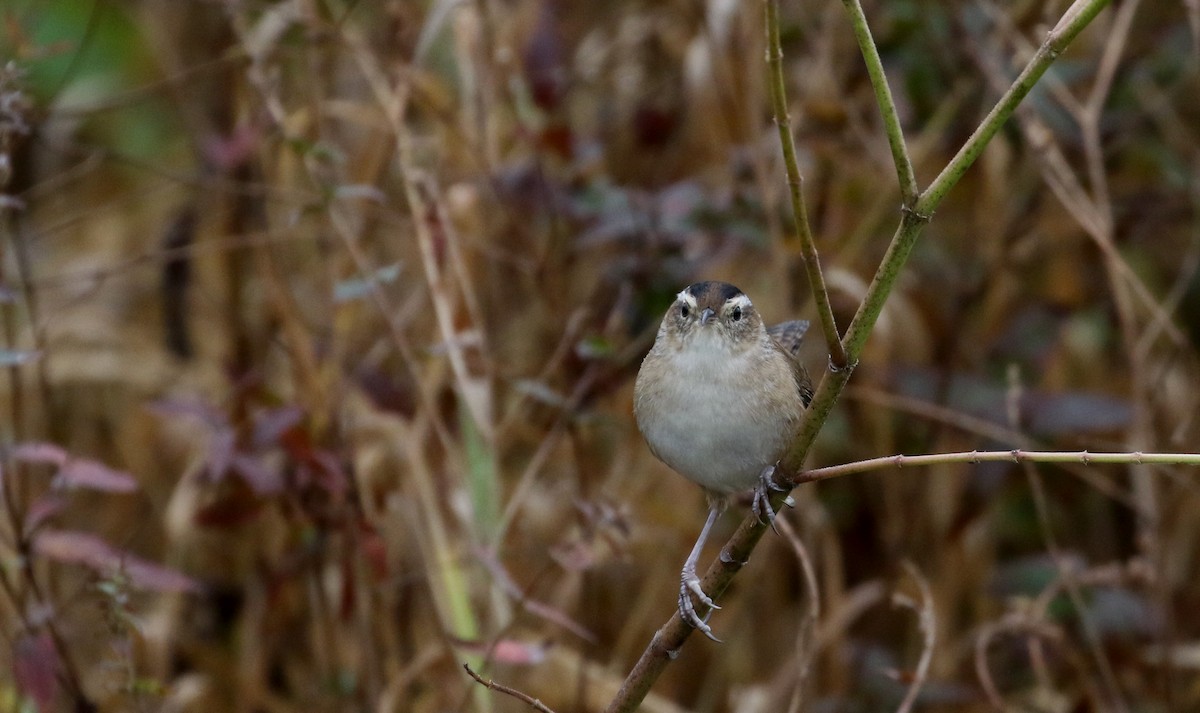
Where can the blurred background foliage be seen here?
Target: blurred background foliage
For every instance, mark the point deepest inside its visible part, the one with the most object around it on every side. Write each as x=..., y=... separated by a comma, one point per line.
x=320, y=320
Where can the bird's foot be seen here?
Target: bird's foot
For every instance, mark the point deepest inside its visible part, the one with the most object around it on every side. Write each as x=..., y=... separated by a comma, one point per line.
x=760, y=505
x=690, y=584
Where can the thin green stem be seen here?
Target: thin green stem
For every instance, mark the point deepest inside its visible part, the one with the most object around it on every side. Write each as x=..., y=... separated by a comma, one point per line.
x=808, y=246
x=887, y=107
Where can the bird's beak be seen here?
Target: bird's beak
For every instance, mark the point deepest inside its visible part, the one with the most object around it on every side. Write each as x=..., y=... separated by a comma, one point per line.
x=707, y=315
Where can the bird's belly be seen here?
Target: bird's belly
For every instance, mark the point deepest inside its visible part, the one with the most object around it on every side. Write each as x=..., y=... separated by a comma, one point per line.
x=715, y=435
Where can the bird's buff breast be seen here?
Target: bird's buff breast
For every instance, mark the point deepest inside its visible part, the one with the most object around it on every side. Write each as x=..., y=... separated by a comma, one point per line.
x=710, y=420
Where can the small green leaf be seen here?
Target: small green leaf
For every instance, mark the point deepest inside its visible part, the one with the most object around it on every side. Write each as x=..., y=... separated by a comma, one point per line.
x=594, y=347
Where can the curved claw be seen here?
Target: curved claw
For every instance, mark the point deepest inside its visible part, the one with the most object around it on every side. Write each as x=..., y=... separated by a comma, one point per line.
x=687, y=612
x=761, y=503
x=689, y=585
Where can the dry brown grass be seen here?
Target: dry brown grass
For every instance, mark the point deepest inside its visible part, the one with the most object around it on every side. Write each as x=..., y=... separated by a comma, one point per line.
x=356, y=291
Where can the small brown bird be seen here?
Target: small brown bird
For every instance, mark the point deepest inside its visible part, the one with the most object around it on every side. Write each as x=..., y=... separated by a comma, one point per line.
x=719, y=399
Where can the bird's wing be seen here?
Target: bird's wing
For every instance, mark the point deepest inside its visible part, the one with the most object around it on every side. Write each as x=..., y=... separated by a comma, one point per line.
x=789, y=334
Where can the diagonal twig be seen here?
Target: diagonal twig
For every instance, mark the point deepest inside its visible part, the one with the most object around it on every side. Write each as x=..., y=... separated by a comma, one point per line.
x=520, y=696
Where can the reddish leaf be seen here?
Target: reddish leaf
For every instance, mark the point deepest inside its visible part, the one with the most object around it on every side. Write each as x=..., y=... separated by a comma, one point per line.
x=297, y=442
x=40, y=453
x=349, y=590
x=84, y=473
x=321, y=465
x=35, y=667
x=94, y=553
x=387, y=391
x=230, y=511
x=558, y=139
x=654, y=126
x=374, y=551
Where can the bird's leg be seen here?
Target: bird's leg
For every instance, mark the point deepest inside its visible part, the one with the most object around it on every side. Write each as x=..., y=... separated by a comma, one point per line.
x=760, y=505
x=690, y=583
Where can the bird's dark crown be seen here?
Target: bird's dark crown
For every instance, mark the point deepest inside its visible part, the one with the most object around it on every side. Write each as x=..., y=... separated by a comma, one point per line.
x=713, y=293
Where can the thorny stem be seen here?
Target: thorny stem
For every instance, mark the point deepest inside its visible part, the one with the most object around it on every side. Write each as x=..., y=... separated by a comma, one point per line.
x=667, y=641
x=1013, y=456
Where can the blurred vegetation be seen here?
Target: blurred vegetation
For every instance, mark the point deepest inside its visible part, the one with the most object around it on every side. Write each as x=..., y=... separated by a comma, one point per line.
x=320, y=320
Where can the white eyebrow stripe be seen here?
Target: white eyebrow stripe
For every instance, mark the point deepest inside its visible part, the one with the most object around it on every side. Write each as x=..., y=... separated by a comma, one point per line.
x=686, y=297
x=739, y=301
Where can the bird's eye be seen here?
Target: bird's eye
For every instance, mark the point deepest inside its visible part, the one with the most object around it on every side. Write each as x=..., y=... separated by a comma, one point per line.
x=736, y=314
x=683, y=311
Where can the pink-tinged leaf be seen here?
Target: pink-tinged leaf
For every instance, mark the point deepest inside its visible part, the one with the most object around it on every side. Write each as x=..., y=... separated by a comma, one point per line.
x=232, y=150
x=35, y=667
x=270, y=425
x=190, y=408
x=333, y=477
x=41, y=510
x=90, y=474
x=574, y=556
x=221, y=449
x=262, y=479
x=518, y=652
x=94, y=553
x=508, y=651
x=40, y=453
